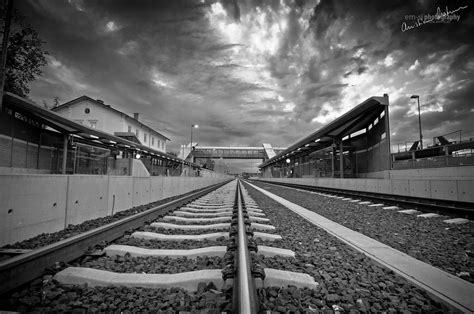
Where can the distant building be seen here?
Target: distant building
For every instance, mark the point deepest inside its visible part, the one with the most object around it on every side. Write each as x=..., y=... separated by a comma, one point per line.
x=95, y=114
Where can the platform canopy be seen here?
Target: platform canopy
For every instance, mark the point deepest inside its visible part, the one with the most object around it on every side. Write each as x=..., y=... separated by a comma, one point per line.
x=78, y=131
x=355, y=120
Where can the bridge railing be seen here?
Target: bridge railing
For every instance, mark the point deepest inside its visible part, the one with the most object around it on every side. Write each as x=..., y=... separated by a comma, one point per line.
x=435, y=162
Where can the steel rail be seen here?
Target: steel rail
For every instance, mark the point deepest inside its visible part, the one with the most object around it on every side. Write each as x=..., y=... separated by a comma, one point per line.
x=245, y=298
x=24, y=268
x=447, y=207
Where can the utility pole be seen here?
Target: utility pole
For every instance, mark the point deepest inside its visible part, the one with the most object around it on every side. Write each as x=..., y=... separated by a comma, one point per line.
x=419, y=119
x=191, y=152
x=6, y=33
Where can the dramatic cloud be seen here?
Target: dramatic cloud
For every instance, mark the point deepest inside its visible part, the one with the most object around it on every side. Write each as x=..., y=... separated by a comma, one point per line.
x=250, y=72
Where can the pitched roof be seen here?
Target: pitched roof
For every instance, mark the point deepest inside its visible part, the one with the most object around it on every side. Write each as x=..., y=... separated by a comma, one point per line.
x=108, y=107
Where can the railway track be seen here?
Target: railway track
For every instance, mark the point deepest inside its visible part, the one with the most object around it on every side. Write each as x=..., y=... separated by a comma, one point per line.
x=23, y=268
x=231, y=250
x=442, y=207
x=204, y=244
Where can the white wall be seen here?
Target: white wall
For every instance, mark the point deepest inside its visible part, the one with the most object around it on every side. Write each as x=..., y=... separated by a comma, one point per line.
x=447, y=189
x=30, y=205
x=465, y=172
x=35, y=204
x=106, y=120
x=139, y=169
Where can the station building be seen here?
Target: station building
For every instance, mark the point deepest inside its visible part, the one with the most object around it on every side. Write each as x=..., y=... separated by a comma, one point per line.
x=95, y=114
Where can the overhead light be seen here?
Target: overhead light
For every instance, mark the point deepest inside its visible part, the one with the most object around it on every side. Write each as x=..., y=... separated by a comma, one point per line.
x=306, y=145
x=288, y=160
x=138, y=156
x=113, y=142
x=93, y=136
x=298, y=149
x=317, y=140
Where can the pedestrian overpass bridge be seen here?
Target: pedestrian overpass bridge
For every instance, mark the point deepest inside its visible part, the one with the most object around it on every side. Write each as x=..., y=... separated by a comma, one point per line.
x=265, y=152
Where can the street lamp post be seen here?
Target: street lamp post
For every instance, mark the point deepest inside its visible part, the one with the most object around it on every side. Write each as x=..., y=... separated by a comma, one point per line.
x=192, y=127
x=419, y=118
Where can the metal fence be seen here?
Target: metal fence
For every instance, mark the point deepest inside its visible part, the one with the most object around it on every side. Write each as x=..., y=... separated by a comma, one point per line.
x=435, y=162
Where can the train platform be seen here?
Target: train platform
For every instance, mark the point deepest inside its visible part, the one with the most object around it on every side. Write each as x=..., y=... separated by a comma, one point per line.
x=442, y=285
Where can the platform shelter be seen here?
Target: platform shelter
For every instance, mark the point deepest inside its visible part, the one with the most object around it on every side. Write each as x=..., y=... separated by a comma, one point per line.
x=34, y=139
x=353, y=145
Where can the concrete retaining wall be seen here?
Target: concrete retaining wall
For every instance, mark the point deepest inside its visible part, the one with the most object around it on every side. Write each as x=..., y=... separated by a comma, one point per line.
x=447, y=189
x=34, y=204
x=464, y=172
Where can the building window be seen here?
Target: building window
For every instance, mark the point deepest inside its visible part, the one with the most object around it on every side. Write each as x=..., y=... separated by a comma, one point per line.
x=163, y=145
x=152, y=140
x=137, y=133
x=158, y=143
x=87, y=110
x=129, y=129
x=144, y=137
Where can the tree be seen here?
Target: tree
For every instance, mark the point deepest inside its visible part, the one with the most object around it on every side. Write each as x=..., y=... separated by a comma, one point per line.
x=53, y=105
x=24, y=56
x=56, y=102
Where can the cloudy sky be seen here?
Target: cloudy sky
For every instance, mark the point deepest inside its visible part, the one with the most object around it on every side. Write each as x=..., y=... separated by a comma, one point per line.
x=259, y=71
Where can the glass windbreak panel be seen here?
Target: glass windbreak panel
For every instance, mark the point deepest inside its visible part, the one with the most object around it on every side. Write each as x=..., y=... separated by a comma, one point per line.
x=51, y=142
x=91, y=160
x=322, y=163
x=32, y=155
x=118, y=164
x=5, y=139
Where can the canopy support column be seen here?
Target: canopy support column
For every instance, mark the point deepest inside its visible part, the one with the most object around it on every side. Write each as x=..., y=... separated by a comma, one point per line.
x=63, y=168
x=341, y=160
x=333, y=163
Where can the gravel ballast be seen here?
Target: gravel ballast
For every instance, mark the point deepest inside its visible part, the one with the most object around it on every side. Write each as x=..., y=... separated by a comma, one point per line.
x=152, y=265
x=180, y=231
x=446, y=246
x=348, y=280
x=178, y=245
x=46, y=296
